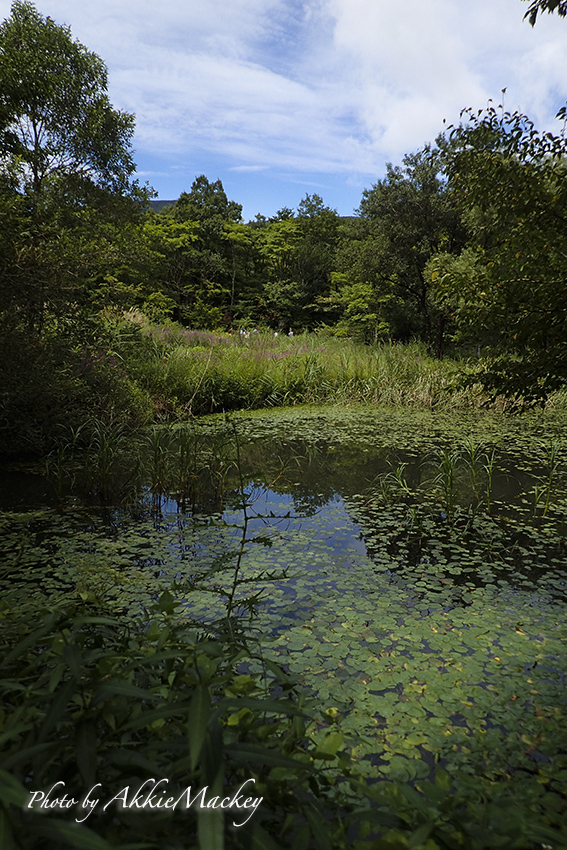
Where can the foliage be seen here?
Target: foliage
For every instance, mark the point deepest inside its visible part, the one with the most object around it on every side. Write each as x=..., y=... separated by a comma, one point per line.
x=367, y=310
x=58, y=130
x=67, y=381
x=298, y=252
x=538, y=6
x=117, y=703
x=410, y=216
x=70, y=245
x=209, y=256
x=434, y=253
x=206, y=202
x=506, y=289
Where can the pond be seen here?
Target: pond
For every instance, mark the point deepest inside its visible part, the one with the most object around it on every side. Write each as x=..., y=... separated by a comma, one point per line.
x=409, y=569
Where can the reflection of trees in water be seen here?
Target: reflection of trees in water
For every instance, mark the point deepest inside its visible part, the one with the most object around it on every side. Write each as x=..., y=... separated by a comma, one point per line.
x=314, y=474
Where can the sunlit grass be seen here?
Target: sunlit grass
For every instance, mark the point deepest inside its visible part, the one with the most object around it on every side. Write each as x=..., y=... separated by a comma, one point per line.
x=196, y=372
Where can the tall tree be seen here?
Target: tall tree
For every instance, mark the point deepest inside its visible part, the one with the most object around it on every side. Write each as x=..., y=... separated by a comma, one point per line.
x=319, y=227
x=508, y=289
x=364, y=303
x=65, y=169
x=537, y=6
x=57, y=126
x=216, y=259
x=206, y=202
x=299, y=254
x=410, y=217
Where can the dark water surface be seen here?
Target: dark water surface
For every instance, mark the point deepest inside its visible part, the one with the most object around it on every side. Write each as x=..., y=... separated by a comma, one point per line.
x=413, y=583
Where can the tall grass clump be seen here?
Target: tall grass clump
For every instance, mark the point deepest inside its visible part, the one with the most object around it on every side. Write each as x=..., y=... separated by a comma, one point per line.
x=196, y=372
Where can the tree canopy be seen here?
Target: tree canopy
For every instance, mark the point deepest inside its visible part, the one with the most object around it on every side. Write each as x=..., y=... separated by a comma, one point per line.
x=508, y=287
x=66, y=163
x=58, y=129
x=410, y=216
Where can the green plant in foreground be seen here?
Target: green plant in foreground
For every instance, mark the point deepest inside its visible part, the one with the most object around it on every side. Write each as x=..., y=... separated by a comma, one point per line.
x=92, y=699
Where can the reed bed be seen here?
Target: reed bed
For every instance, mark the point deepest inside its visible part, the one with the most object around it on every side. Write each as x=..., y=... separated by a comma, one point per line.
x=196, y=372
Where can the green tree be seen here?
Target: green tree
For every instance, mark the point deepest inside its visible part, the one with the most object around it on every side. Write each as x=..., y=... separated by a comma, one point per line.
x=409, y=217
x=174, y=243
x=280, y=304
x=508, y=289
x=212, y=254
x=71, y=250
x=58, y=129
x=319, y=228
x=206, y=202
x=298, y=251
x=65, y=164
x=363, y=302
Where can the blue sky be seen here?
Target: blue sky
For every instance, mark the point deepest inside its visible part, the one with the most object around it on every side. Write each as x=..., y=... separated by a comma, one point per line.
x=279, y=98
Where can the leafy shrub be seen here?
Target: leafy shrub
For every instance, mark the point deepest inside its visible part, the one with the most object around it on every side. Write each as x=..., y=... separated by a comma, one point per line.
x=93, y=699
x=55, y=382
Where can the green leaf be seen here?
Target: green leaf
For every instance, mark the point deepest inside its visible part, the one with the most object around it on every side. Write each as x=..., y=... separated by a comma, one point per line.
x=210, y=829
x=115, y=687
x=56, y=710
x=31, y=640
x=256, y=754
x=12, y=791
x=72, y=655
x=86, y=750
x=74, y=834
x=7, y=841
x=261, y=840
x=199, y=715
x=164, y=712
x=329, y=746
x=166, y=602
x=320, y=834
x=271, y=706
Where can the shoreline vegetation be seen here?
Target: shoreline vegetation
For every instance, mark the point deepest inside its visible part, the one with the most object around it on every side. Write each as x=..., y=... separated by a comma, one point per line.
x=138, y=374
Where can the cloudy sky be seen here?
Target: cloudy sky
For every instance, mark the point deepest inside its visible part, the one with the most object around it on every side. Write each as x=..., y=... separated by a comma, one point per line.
x=279, y=98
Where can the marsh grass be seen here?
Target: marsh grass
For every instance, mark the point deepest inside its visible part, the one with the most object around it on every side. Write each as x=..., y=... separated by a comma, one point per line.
x=192, y=372
x=459, y=479
x=177, y=462
x=550, y=454
x=96, y=460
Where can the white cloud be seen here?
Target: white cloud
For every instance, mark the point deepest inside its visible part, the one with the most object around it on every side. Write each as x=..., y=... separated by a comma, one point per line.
x=313, y=86
x=418, y=63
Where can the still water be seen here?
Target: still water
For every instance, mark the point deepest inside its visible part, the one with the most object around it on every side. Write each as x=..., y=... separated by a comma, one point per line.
x=410, y=571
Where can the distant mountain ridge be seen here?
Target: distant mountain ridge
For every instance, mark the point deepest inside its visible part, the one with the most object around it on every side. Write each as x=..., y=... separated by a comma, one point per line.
x=158, y=206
